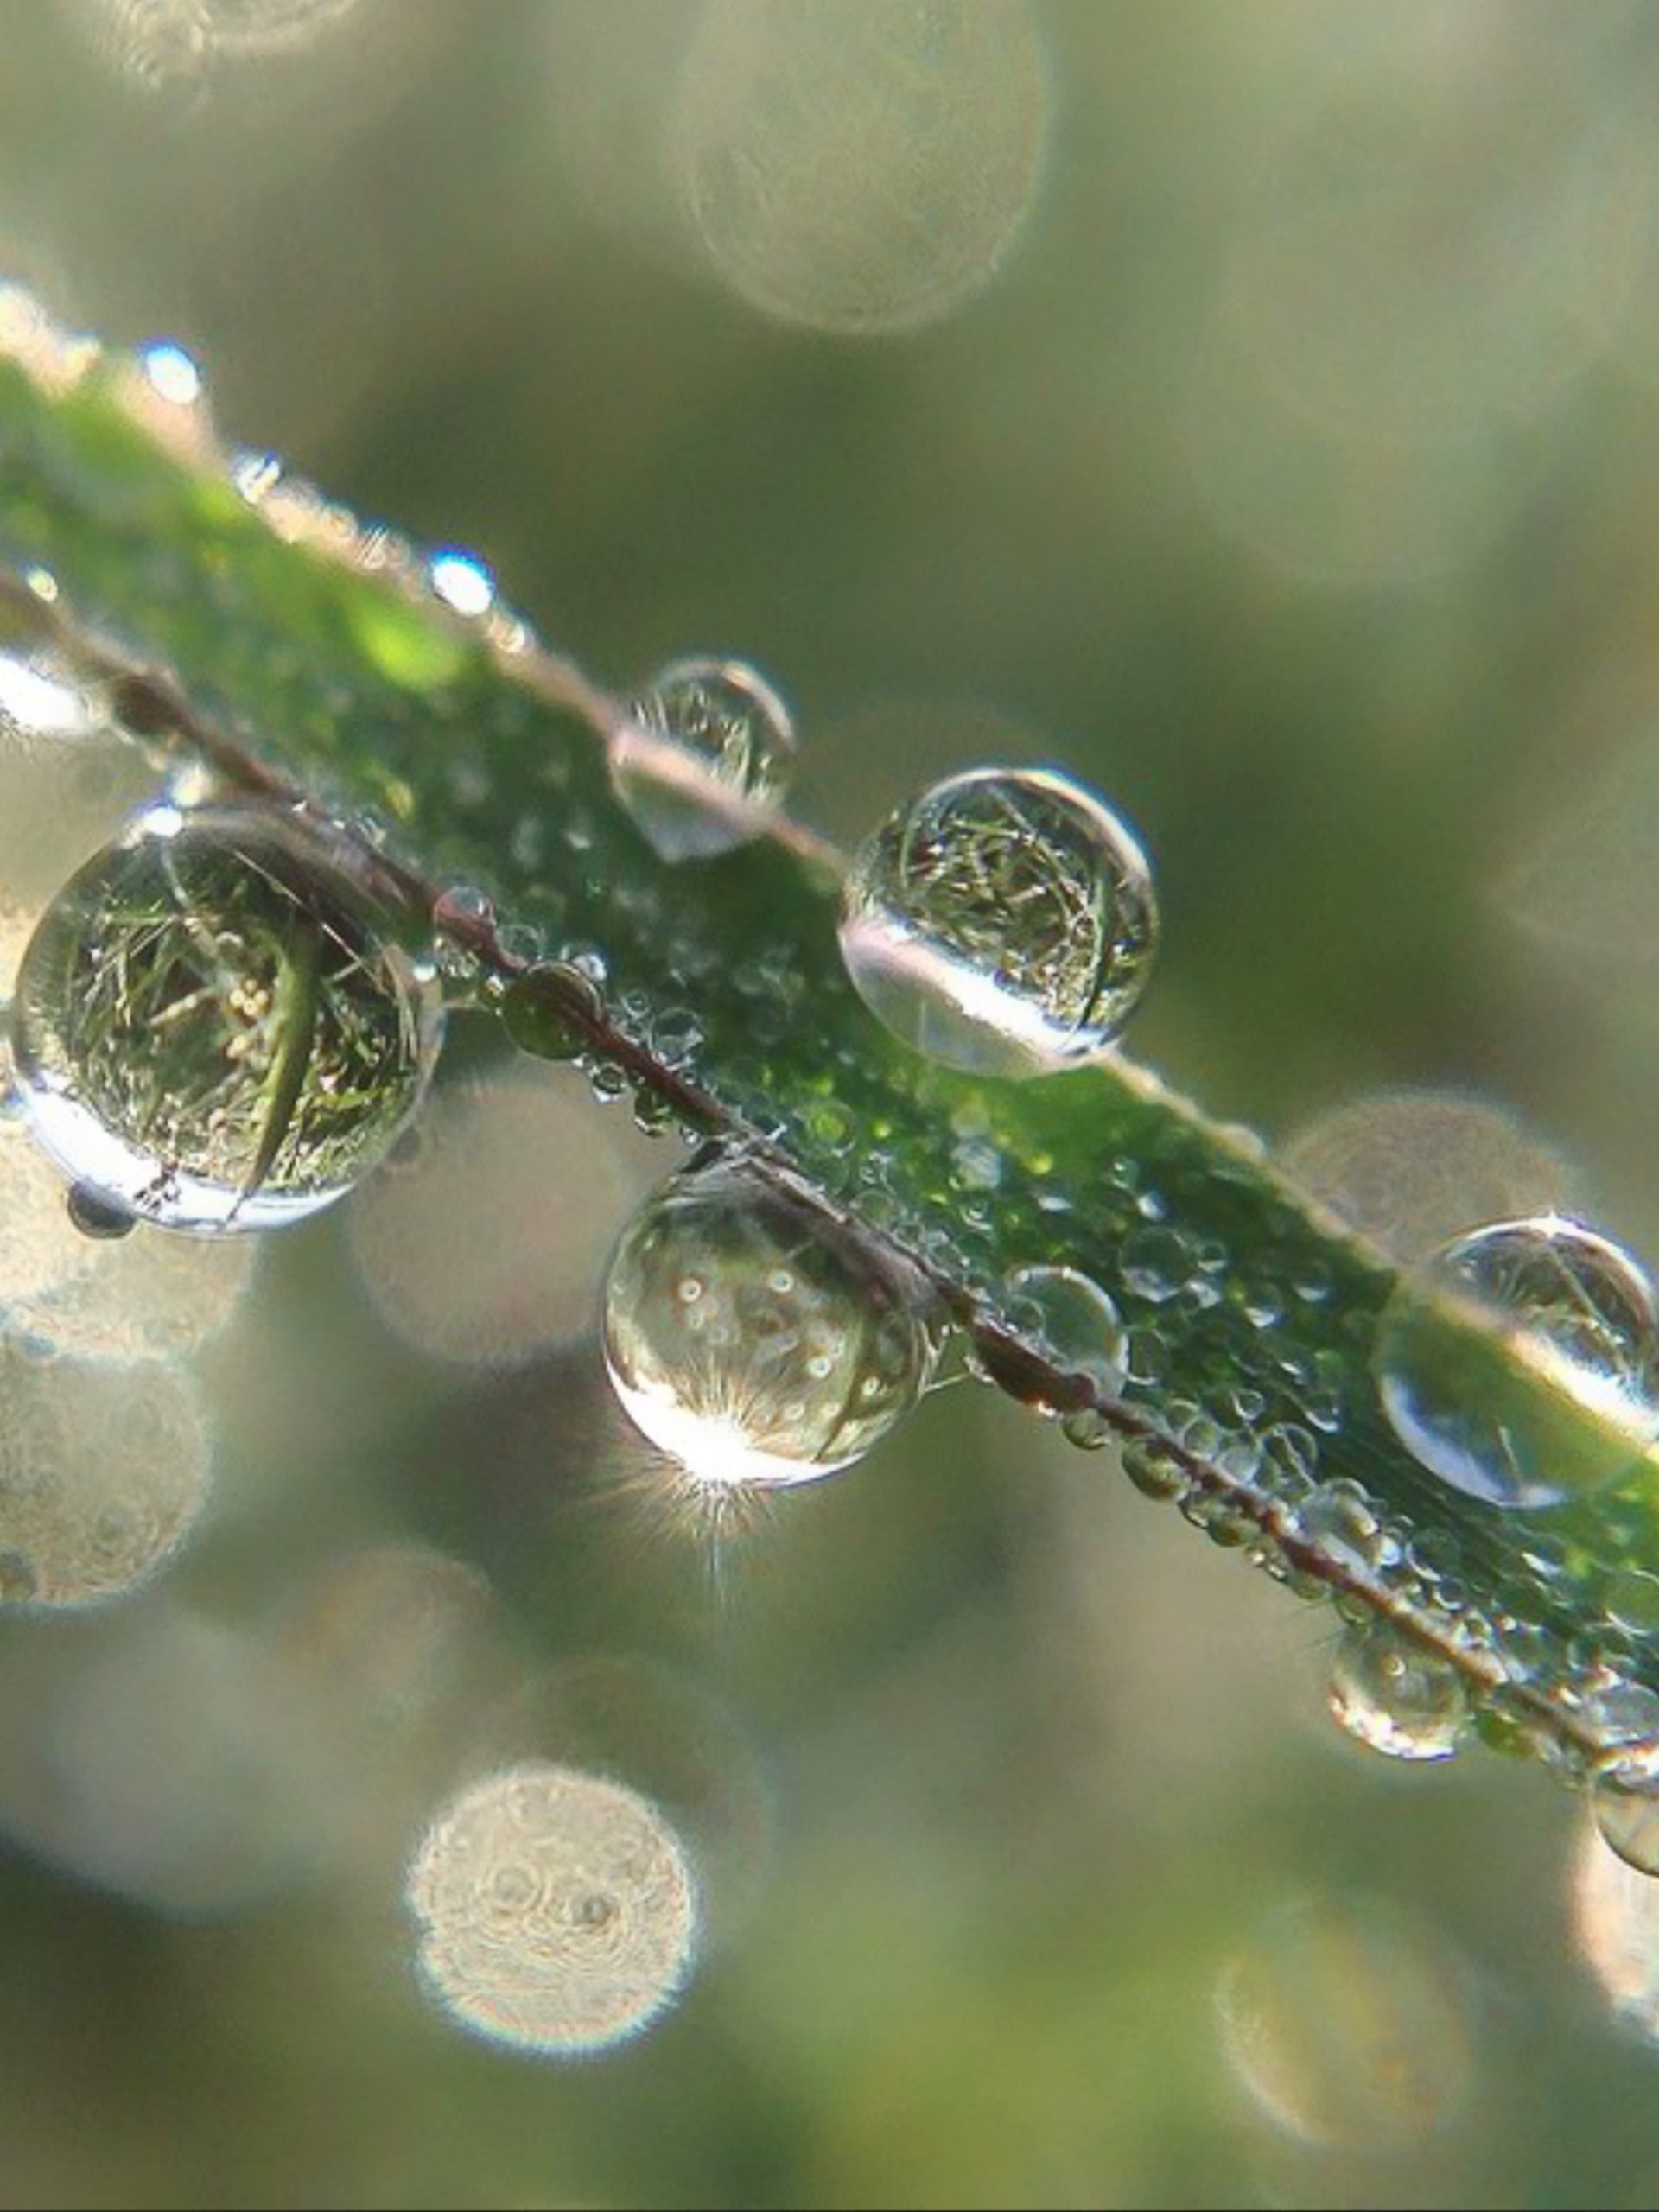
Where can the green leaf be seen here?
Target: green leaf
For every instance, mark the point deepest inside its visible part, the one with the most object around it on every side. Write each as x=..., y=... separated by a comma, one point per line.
x=297, y=647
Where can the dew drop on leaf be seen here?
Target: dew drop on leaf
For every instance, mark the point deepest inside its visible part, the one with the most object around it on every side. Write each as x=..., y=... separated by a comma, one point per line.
x=705, y=760
x=754, y=1338
x=217, y=1026
x=1520, y=1363
x=1004, y=923
x=1074, y=1320
x=1395, y=1697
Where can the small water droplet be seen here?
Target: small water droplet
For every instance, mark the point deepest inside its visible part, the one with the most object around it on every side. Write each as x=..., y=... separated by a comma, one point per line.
x=171, y=374
x=1156, y=1471
x=462, y=582
x=706, y=759
x=216, y=1025
x=1632, y=1602
x=1074, y=1320
x=1156, y=1264
x=1521, y=1363
x=747, y=1385
x=540, y=1009
x=1337, y=1519
x=1004, y=922
x=1392, y=1694
x=1629, y=1820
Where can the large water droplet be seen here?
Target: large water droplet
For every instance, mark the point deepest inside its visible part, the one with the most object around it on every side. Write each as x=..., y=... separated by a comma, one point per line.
x=754, y=1337
x=706, y=759
x=1075, y=1321
x=1521, y=1363
x=1397, y=1698
x=216, y=1026
x=1004, y=922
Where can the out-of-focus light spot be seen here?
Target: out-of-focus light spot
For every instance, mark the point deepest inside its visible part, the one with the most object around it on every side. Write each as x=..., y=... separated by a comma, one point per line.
x=172, y=374
x=1414, y=1168
x=462, y=582
x=1616, y=1921
x=103, y=1472
x=1339, y=508
x=856, y=166
x=1438, y=250
x=38, y=700
x=159, y=1761
x=557, y=1912
x=1587, y=888
x=1348, y=2023
x=144, y=1296
x=158, y=46
x=490, y=1245
x=679, y=1746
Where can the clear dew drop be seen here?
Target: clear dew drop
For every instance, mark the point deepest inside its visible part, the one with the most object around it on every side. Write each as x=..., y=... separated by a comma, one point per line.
x=752, y=1337
x=1074, y=1320
x=171, y=374
x=1003, y=923
x=216, y=1026
x=705, y=760
x=1520, y=1364
x=1395, y=1697
x=462, y=583
x=1628, y=1818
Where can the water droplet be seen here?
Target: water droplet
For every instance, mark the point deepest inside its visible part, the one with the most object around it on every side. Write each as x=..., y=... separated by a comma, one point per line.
x=98, y=1217
x=1004, y=923
x=216, y=1026
x=1629, y=1820
x=539, y=1012
x=462, y=582
x=1156, y=1264
x=747, y=1385
x=1337, y=1519
x=1397, y=1698
x=1632, y=1602
x=171, y=374
x=705, y=760
x=1155, y=1469
x=1521, y=1363
x=1074, y=1320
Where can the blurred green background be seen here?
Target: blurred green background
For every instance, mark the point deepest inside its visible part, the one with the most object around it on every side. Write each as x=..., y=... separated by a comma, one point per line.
x=1255, y=409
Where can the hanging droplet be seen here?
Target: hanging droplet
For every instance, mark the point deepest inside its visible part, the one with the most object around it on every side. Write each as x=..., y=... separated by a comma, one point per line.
x=756, y=1339
x=1520, y=1364
x=705, y=760
x=217, y=1026
x=1395, y=1696
x=538, y=1011
x=1004, y=922
x=98, y=1217
x=1628, y=1817
x=1074, y=1320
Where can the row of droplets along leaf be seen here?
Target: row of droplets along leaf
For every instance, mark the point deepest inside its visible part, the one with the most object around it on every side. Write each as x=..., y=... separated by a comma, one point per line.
x=752, y=1339
x=1206, y=1306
